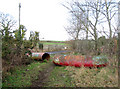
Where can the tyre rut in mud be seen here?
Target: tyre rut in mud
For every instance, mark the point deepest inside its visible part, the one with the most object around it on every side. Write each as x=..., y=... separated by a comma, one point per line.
x=43, y=76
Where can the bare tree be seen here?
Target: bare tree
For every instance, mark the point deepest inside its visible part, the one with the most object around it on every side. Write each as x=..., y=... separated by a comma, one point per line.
x=75, y=22
x=74, y=29
x=94, y=16
x=91, y=15
x=6, y=24
x=109, y=11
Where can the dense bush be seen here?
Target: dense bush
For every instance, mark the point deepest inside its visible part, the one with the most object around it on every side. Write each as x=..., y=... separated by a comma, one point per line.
x=105, y=46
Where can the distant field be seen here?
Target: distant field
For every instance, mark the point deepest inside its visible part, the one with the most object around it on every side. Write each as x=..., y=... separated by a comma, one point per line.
x=54, y=42
x=51, y=43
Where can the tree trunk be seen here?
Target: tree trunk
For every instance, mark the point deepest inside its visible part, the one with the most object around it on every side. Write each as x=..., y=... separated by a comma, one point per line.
x=87, y=34
x=96, y=42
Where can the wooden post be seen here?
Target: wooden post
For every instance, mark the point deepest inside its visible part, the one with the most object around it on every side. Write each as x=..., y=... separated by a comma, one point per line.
x=19, y=37
x=19, y=13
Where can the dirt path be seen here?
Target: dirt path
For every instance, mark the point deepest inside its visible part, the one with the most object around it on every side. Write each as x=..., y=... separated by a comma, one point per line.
x=43, y=76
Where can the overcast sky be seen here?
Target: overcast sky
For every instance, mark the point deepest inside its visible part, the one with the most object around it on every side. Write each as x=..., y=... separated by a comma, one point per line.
x=48, y=17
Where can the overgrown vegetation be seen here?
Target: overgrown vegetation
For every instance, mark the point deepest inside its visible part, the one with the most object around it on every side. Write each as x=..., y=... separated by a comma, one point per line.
x=14, y=50
x=86, y=47
x=14, y=43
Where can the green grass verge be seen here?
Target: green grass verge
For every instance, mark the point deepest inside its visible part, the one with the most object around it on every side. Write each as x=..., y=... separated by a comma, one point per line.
x=59, y=77
x=23, y=76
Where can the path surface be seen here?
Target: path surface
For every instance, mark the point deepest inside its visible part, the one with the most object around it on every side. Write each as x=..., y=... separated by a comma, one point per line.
x=43, y=76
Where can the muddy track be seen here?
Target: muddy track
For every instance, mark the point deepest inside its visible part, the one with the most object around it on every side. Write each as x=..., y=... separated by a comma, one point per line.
x=43, y=76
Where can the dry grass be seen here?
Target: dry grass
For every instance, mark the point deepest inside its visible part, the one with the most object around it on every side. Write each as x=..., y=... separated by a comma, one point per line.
x=85, y=77
x=95, y=77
